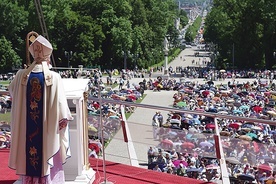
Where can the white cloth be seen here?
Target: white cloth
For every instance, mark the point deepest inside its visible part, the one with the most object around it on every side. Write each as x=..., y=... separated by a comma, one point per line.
x=55, y=109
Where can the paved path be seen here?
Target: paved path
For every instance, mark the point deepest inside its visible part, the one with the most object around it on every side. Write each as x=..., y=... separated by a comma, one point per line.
x=139, y=122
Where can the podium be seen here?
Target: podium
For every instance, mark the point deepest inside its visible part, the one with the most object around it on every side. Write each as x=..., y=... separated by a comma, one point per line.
x=77, y=168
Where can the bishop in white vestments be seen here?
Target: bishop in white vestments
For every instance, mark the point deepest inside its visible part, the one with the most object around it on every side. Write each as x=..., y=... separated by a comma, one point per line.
x=40, y=135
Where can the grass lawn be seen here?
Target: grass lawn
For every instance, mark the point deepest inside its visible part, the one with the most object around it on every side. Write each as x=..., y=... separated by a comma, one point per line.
x=5, y=117
x=4, y=83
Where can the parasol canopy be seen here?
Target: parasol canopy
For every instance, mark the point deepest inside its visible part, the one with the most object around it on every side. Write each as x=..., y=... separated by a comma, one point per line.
x=188, y=145
x=212, y=166
x=265, y=167
x=224, y=133
x=246, y=177
x=181, y=104
x=2, y=138
x=245, y=137
x=232, y=160
x=167, y=144
x=234, y=125
x=175, y=121
x=206, y=144
x=198, y=136
x=252, y=135
x=210, y=126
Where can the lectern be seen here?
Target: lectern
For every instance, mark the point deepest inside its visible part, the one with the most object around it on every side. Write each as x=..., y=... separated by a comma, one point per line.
x=77, y=168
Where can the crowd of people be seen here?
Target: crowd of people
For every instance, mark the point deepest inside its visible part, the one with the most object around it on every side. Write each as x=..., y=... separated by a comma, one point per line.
x=249, y=147
x=187, y=146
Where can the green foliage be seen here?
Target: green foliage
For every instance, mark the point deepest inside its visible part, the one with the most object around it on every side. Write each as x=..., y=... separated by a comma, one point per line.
x=193, y=30
x=8, y=56
x=245, y=30
x=96, y=31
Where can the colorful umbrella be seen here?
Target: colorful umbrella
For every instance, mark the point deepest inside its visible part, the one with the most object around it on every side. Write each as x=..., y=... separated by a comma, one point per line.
x=265, y=167
x=205, y=93
x=166, y=144
x=188, y=145
x=245, y=137
x=224, y=133
x=181, y=104
x=2, y=138
x=198, y=136
x=232, y=160
x=246, y=177
x=178, y=162
x=252, y=135
x=212, y=166
x=175, y=121
x=206, y=144
x=210, y=126
x=234, y=125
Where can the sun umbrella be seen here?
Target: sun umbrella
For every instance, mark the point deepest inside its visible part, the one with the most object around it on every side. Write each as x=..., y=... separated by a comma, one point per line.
x=205, y=93
x=223, y=112
x=198, y=136
x=244, y=100
x=114, y=117
x=189, y=116
x=225, y=133
x=206, y=144
x=222, y=71
x=256, y=128
x=230, y=101
x=252, y=135
x=246, y=129
x=237, y=104
x=199, y=110
x=257, y=109
x=92, y=128
x=265, y=167
x=132, y=97
x=178, y=162
x=166, y=143
x=216, y=99
x=181, y=104
x=212, y=166
x=2, y=138
x=237, y=112
x=188, y=145
x=210, y=126
x=196, y=121
x=175, y=121
x=248, y=125
x=244, y=108
x=245, y=137
x=272, y=113
x=232, y=160
x=246, y=177
x=193, y=170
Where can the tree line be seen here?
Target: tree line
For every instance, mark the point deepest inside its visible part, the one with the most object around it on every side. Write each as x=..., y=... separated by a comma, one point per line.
x=242, y=33
x=98, y=32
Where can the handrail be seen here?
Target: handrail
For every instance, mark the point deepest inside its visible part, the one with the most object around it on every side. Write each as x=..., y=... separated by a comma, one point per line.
x=213, y=115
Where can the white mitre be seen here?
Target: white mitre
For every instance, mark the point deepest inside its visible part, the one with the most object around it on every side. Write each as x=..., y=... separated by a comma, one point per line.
x=41, y=50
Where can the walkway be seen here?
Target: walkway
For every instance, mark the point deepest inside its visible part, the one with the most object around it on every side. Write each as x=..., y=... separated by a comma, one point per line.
x=139, y=122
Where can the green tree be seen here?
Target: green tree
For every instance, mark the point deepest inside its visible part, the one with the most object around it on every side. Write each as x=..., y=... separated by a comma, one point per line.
x=247, y=26
x=9, y=59
x=13, y=22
